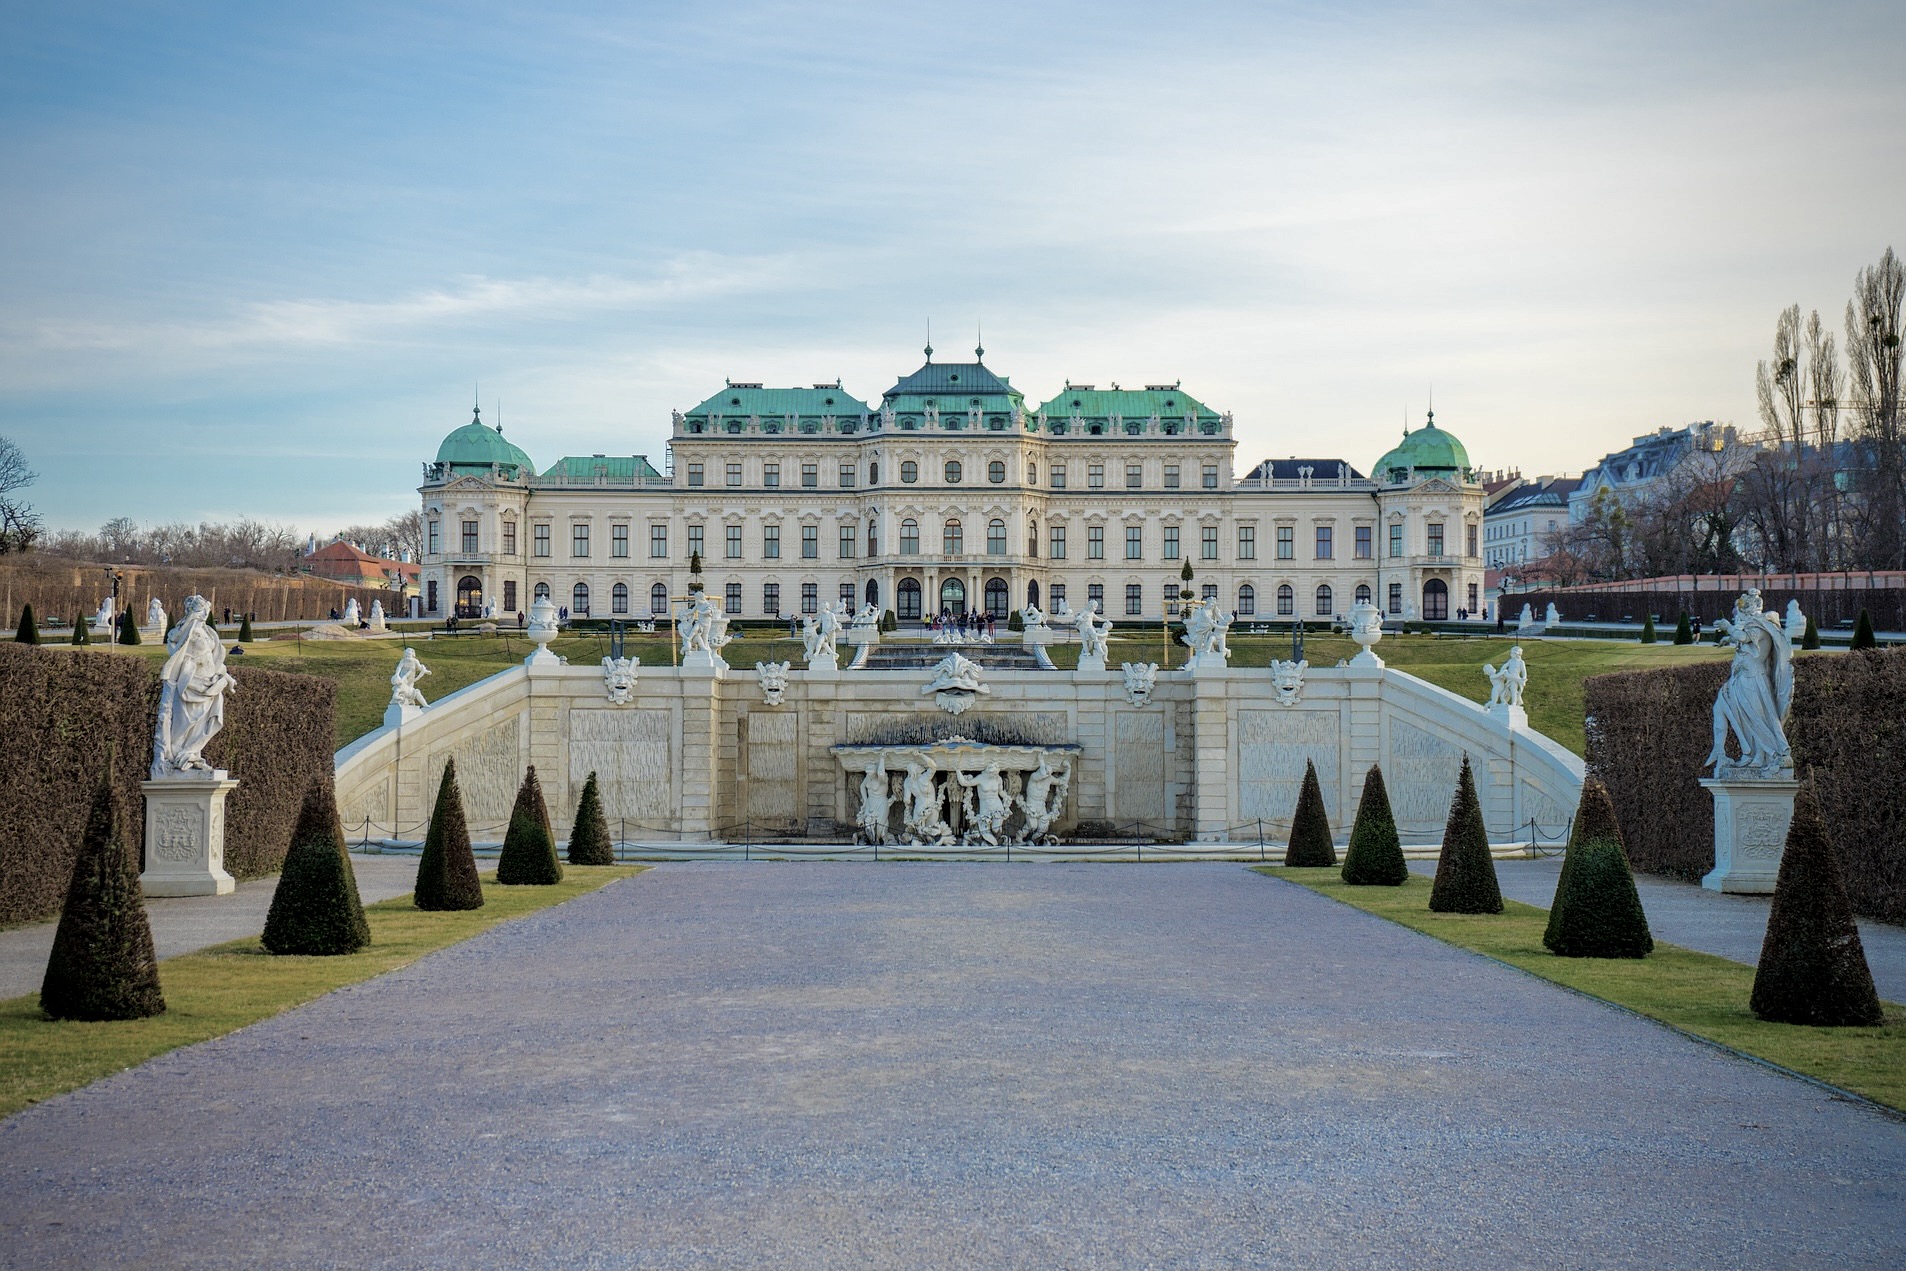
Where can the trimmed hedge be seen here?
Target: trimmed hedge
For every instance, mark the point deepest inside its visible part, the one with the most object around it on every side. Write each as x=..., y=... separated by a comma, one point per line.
x=102, y=966
x=1465, y=871
x=1375, y=857
x=1595, y=821
x=1310, y=843
x=29, y=629
x=128, y=629
x=83, y=630
x=589, y=841
x=1812, y=966
x=1597, y=910
x=1648, y=629
x=528, y=857
x=447, y=872
x=1810, y=638
x=1684, y=630
x=315, y=909
x=59, y=711
x=1649, y=730
x=1863, y=633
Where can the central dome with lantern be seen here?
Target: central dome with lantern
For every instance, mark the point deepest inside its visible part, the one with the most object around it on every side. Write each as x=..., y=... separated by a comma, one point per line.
x=1428, y=452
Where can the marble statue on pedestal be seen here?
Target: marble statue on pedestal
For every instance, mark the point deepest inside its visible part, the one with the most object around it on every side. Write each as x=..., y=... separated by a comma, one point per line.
x=703, y=630
x=1526, y=620
x=876, y=805
x=1754, y=702
x=377, y=616
x=403, y=681
x=155, y=615
x=351, y=614
x=774, y=680
x=193, y=684
x=618, y=678
x=818, y=633
x=1366, y=628
x=869, y=615
x=1205, y=627
x=104, y=619
x=1287, y=678
x=1093, y=638
x=1507, y=682
x=1032, y=617
x=1796, y=622
x=1552, y=617
x=1140, y=679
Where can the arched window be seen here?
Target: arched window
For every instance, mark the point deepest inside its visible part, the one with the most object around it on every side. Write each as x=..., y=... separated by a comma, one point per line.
x=1247, y=600
x=996, y=538
x=1032, y=474
x=996, y=472
x=953, y=538
x=579, y=601
x=1363, y=593
x=873, y=536
x=953, y=471
x=1323, y=601
x=909, y=472
x=658, y=598
x=909, y=597
x=953, y=596
x=619, y=598
x=1436, y=601
x=542, y=591
x=1032, y=536
x=469, y=596
x=1286, y=600
x=909, y=537
x=873, y=591
x=1032, y=592
x=996, y=602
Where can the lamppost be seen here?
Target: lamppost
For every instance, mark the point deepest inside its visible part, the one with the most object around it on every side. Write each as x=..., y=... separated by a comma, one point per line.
x=115, y=577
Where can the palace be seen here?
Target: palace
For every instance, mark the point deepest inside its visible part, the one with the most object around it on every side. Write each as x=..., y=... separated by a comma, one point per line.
x=952, y=494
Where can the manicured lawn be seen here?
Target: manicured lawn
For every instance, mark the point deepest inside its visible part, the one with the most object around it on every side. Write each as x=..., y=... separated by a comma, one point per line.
x=1696, y=992
x=226, y=987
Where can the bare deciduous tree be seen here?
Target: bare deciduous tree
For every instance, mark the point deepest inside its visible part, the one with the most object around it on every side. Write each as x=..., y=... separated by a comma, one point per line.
x=19, y=525
x=1873, y=364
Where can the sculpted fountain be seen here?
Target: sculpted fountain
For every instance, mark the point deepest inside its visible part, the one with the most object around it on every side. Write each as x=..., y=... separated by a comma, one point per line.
x=959, y=792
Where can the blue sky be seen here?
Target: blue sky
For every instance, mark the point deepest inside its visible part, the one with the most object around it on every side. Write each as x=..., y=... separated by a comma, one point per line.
x=253, y=257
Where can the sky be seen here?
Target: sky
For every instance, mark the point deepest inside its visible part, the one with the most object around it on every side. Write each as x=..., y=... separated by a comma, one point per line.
x=257, y=259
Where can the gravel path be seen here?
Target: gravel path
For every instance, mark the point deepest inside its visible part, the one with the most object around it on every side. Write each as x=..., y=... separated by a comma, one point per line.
x=814, y=1066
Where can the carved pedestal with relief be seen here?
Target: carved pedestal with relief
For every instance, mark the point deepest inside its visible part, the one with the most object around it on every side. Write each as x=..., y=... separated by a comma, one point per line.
x=185, y=836
x=1750, y=832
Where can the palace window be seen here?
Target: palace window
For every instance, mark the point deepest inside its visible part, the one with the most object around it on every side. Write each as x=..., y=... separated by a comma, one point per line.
x=619, y=598
x=1208, y=543
x=1209, y=592
x=658, y=541
x=953, y=538
x=873, y=536
x=1247, y=600
x=1396, y=541
x=1095, y=476
x=1056, y=542
x=542, y=540
x=771, y=542
x=1134, y=476
x=1396, y=597
x=694, y=540
x=1095, y=596
x=1436, y=538
x=909, y=537
x=873, y=472
x=771, y=599
x=1472, y=540
x=770, y=476
x=734, y=542
x=1473, y=610
x=1134, y=542
x=1286, y=542
x=1134, y=599
x=1058, y=476
x=658, y=598
x=810, y=476
x=1171, y=542
x=1323, y=601
x=1324, y=544
x=1171, y=476
x=542, y=591
x=953, y=471
x=1170, y=593
x=734, y=474
x=1032, y=474
x=909, y=471
x=1363, y=542
x=996, y=472
x=579, y=540
x=810, y=597
x=1095, y=542
x=847, y=476
x=695, y=471
x=847, y=595
x=579, y=601
x=619, y=541
x=810, y=542
x=1211, y=476
x=995, y=538
x=1057, y=594
x=849, y=539
x=731, y=598
x=469, y=538
x=509, y=538
x=1247, y=542
x=1286, y=600
x=430, y=596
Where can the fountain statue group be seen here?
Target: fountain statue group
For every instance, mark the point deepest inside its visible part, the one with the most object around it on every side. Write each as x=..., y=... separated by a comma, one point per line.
x=980, y=803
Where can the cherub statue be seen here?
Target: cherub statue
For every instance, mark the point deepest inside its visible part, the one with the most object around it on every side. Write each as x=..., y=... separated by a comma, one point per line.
x=1507, y=682
x=403, y=681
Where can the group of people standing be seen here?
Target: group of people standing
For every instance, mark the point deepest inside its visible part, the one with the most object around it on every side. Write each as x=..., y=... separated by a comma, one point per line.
x=965, y=625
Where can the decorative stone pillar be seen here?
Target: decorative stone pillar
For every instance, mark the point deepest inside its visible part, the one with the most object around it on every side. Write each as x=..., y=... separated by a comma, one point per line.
x=1751, y=815
x=1510, y=717
x=185, y=835
x=826, y=666
x=1211, y=776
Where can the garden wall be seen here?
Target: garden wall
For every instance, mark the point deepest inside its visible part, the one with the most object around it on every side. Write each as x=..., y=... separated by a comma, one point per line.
x=61, y=708
x=1648, y=732
x=59, y=588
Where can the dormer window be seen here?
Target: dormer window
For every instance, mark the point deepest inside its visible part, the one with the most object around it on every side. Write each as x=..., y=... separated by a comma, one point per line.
x=734, y=425
x=1097, y=430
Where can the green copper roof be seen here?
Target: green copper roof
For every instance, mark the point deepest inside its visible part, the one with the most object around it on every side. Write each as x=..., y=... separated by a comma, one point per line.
x=956, y=381
x=1132, y=403
x=748, y=399
x=614, y=468
x=1429, y=450
x=475, y=447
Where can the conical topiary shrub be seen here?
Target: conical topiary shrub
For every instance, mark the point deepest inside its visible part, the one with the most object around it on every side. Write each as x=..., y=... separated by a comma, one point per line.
x=82, y=631
x=1310, y=826
x=589, y=841
x=29, y=632
x=1601, y=915
x=316, y=909
x=128, y=629
x=1465, y=872
x=1595, y=821
x=1812, y=966
x=1375, y=857
x=1810, y=638
x=1684, y=630
x=529, y=847
x=244, y=630
x=102, y=967
x=1863, y=633
x=447, y=874
x=1648, y=629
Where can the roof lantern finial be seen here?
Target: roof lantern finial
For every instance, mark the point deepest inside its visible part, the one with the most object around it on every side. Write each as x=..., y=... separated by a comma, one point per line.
x=929, y=341
x=979, y=343
x=499, y=417
x=1432, y=408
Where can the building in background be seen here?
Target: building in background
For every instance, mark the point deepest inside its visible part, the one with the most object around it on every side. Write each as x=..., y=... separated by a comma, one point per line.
x=1518, y=523
x=952, y=494
x=1636, y=471
x=349, y=564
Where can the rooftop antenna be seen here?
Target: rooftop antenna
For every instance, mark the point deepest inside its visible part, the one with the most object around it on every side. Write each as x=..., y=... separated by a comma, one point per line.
x=929, y=341
x=979, y=343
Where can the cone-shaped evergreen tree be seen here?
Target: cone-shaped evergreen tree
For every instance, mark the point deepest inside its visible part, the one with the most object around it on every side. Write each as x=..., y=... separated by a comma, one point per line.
x=102, y=965
x=1465, y=872
x=447, y=874
x=1648, y=629
x=1595, y=821
x=29, y=632
x=128, y=629
x=244, y=630
x=1810, y=638
x=529, y=847
x=1375, y=857
x=1812, y=966
x=1684, y=630
x=589, y=842
x=1863, y=633
x=1310, y=825
x=316, y=909
x=82, y=631
x=1601, y=916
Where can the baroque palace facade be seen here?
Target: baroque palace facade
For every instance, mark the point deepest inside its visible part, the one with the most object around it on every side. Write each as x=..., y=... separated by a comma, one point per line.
x=951, y=494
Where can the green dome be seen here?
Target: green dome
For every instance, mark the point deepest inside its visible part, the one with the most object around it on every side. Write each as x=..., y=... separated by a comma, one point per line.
x=476, y=446
x=1430, y=451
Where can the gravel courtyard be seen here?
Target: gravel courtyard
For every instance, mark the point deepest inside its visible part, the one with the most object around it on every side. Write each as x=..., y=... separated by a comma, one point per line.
x=851, y=1065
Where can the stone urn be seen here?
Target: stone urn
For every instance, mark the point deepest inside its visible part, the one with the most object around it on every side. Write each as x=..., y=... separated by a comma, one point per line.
x=541, y=630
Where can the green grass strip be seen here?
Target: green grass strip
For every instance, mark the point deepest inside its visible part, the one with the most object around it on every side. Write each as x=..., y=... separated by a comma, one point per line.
x=1700, y=994
x=223, y=988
